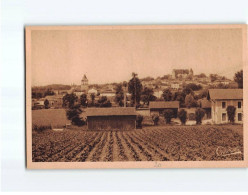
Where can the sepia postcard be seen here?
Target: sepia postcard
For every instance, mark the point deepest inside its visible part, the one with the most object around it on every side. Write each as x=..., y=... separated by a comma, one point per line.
x=149, y=96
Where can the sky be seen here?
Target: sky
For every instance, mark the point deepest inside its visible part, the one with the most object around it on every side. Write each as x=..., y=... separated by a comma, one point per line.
x=106, y=56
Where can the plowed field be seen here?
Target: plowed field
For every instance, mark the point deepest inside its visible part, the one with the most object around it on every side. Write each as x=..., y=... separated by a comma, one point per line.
x=162, y=143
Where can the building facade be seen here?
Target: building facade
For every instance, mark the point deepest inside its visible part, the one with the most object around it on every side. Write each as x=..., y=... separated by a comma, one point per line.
x=183, y=73
x=55, y=101
x=158, y=107
x=221, y=99
x=118, y=118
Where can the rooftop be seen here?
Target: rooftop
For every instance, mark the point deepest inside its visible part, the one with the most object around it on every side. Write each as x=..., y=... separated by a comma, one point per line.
x=225, y=94
x=118, y=111
x=84, y=78
x=163, y=104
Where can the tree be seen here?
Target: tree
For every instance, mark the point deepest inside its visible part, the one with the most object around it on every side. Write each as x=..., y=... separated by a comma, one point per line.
x=165, y=77
x=182, y=115
x=180, y=96
x=203, y=94
x=238, y=78
x=103, y=102
x=83, y=100
x=119, y=95
x=69, y=100
x=135, y=89
x=213, y=77
x=37, y=95
x=231, y=113
x=139, y=119
x=48, y=92
x=168, y=115
x=73, y=114
x=194, y=86
x=202, y=75
x=147, y=96
x=155, y=119
x=187, y=90
x=92, y=96
x=190, y=101
x=199, y=114
x=167, y=95
x=46, y=103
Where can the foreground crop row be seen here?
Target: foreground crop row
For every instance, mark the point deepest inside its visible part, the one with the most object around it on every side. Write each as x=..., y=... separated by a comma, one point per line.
x=170, y=143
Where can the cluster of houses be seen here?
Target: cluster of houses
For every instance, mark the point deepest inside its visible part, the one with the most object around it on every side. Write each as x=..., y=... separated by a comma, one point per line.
x=125, y=117
x=181, y=77
x=176, y=81
x=214, y=105
x=56, y=100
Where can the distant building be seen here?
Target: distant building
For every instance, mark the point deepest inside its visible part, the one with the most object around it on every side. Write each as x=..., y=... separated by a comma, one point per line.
x=221, y=99
x=175, y=86
x=107, y=93
x=158, y=107
x=92, y=91
x=118, y=118
x=78, y=92
x=176, y=73
x=61, y=92
x=84, y=84
x=158, y=93
x=225, y=82
x=55, y=101
x=38, y=104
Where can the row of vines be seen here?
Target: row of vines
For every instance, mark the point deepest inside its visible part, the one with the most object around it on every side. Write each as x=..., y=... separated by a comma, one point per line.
x=205, y=143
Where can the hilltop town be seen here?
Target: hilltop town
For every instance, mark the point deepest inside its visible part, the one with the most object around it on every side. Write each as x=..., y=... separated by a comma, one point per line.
x=175, y=82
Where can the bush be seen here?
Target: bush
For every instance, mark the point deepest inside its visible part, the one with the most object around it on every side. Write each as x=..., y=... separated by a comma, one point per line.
x=199, y=114
x=40, y=128
x=139, y=120
x=155, y=119
x=231, y=113
x=190, y=101
x=46, y=103
x=182, y=115
x=168, y=115
x=103, y=102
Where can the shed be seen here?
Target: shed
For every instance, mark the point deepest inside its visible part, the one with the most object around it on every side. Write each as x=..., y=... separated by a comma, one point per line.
x=158, y=107
x=118, y=118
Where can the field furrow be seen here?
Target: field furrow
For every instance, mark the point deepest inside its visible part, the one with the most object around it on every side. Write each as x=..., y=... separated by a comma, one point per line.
x=94, y=156
x=158, y=143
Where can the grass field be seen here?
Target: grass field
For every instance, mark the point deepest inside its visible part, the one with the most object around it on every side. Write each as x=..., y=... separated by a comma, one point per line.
x=46, y=117
x=161, y=143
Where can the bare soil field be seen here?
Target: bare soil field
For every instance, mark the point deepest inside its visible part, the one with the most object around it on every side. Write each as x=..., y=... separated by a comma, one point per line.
x=161, y=143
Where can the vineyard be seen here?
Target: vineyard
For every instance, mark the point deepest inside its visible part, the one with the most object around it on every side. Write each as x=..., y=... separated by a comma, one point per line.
x=162, y=143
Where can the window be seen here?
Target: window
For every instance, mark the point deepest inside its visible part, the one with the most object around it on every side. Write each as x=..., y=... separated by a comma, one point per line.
x=223, y=104
x=239, y=104
x=239, y=116
x=223, y=116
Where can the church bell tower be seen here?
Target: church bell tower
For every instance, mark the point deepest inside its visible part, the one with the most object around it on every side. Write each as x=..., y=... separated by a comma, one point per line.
x=84, y=84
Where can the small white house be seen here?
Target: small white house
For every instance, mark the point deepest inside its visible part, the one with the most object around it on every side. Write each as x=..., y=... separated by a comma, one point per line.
x=92, y=91
x=175, y=86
